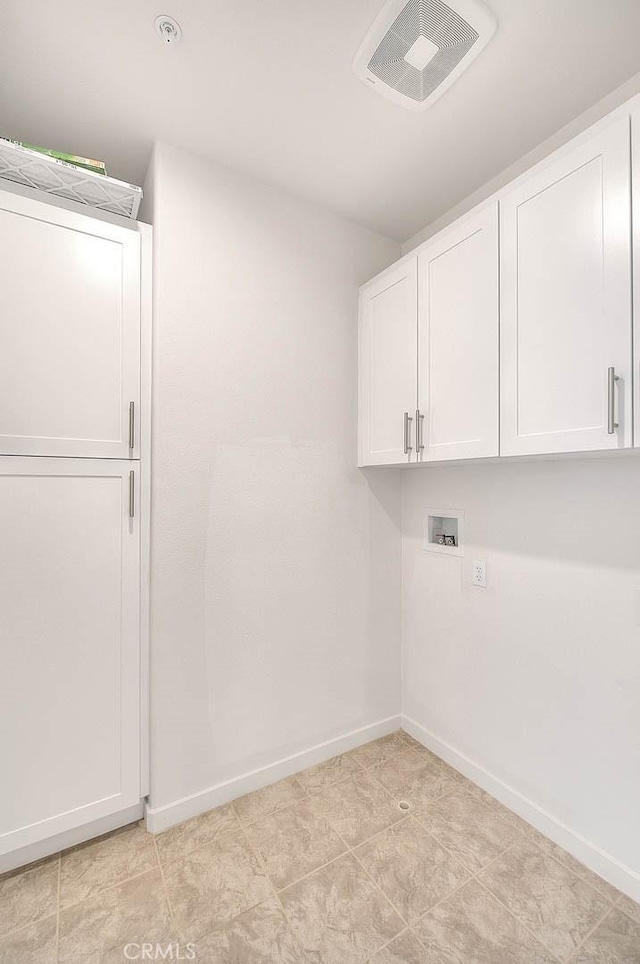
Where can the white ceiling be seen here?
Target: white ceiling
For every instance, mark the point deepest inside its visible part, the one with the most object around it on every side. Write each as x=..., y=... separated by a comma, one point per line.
x=266, y=87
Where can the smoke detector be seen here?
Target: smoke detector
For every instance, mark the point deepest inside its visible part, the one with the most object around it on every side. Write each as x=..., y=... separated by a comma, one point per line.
x=168, y=29
x=416, y=49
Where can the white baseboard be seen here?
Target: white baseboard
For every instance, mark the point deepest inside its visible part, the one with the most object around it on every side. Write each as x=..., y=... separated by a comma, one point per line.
x=69, y=838
x=602, y=863
x=159, y=818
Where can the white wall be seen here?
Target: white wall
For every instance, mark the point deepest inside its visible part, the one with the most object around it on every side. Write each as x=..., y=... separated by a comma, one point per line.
x=275, y=563
x=585, y=120
x=536, y=678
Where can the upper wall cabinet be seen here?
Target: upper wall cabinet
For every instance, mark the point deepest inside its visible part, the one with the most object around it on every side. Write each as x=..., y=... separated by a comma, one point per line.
x=458, y=341
x=566, y=300
x=387, y=365
x=69, y=333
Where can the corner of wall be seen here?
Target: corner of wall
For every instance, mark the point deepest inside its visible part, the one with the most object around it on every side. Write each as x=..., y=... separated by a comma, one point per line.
x=148, y=190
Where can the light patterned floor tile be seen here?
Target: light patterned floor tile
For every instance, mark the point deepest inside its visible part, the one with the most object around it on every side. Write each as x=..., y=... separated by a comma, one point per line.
x=411, y=776
x=630, y=908
x=329, y=773
x=571, y=863
x=380, y=750
x=36, y=944
x=615, y=941
x=28, y=895
x=98, y=930
x=427, y=754
x=359, y=808
x=275, y=797
x=410, y=740
x=186, y=837
x=532, y=904
x=411, y=868
x=259, y=936
x=214, y=884
x=91, y=867
x=467, y=828
x=544, y=843
x=405, y=949
x=513, y=819
x=338, y=915
x=549, y=899
x=472, y=927
x=293, y=842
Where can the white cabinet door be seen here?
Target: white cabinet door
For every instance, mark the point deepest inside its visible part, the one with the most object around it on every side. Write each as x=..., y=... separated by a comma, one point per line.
x=387, y=365
x=566, y=300
x=458, y=340
x=69, y=332
x=69, y=645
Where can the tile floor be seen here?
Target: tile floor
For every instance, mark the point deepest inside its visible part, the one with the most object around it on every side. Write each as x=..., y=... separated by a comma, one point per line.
x=324, y=868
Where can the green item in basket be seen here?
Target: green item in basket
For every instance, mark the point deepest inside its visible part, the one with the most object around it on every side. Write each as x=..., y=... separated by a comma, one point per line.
x=88, y=163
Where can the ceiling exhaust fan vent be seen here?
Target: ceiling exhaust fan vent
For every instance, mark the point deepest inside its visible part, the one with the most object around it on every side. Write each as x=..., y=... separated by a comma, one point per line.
x=415, y=49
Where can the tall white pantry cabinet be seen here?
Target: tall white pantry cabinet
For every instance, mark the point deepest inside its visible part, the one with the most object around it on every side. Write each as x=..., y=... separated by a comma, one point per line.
x=74, y=412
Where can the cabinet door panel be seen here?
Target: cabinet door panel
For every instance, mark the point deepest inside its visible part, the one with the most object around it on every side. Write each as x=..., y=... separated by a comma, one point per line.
x=69, y=332
x=566, y=300
x=458, y=340
x=387, y=368
x=69, y=646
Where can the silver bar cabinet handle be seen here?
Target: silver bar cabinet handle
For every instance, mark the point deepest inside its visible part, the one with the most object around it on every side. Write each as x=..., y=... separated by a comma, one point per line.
x=132, y=425
x=132, y=494
x=419, y=442
x=407, y=433
x=612, y=378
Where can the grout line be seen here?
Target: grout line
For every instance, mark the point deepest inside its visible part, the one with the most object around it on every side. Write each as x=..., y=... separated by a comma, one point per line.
x=219, y=837
x=618, y=906
x=514, y=916
x=405, y=930
x=458, y=786
x=25, y=927
x=396, y=799
x=549, y=856
x=378, y=833
x=172, y=916
x=106, y=890
x=601, y=921
x=315, y=870
x=58, y=909
x=378, y=887
x=351, y=850
x=277, y=898
x=476, y=876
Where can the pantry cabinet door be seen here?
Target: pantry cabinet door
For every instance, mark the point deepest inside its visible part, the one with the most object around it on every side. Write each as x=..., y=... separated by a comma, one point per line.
x=69, y=645
x=458, y=340
x=566, y=300
x=387, y=366
x=69, y=332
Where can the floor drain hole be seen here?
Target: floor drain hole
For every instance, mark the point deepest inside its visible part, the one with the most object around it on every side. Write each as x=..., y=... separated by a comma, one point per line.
x=404, y=805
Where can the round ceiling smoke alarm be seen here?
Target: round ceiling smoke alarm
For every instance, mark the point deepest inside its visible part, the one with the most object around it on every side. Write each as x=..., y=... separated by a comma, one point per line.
x=168, y=29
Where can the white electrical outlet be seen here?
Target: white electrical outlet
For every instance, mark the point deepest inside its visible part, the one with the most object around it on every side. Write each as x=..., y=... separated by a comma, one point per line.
x=479, y=574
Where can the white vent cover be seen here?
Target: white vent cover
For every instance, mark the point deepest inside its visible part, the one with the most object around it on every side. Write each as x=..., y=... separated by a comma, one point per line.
x=415, y=49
